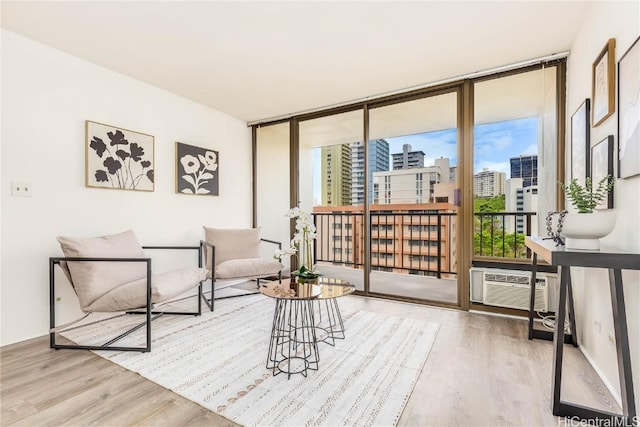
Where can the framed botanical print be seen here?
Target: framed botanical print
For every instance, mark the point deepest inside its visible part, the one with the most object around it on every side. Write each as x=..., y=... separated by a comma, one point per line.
x=602, y=166
x=580, y=142
x=118, y=158
x=629, y=112
x=197, y=170
x=603, y=84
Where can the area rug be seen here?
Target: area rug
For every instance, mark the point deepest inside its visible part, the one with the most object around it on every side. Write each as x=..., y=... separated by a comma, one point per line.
x=218, y=361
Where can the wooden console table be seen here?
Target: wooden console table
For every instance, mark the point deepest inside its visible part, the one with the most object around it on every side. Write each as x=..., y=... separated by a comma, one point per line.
x=615, y=261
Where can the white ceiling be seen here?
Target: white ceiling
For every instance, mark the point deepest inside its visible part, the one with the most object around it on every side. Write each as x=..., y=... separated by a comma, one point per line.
x=257, y=60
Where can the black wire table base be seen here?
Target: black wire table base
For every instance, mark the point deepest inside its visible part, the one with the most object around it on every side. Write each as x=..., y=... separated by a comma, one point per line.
x=330, y=328
x=293, y=348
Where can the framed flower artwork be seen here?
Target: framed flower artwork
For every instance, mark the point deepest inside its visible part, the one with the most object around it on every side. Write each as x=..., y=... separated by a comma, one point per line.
x=197, y=170
x=118, y=158
x=603, y=83
x=629, y=112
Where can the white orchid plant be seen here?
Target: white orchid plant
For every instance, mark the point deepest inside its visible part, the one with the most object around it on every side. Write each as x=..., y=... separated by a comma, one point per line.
x=301, y=244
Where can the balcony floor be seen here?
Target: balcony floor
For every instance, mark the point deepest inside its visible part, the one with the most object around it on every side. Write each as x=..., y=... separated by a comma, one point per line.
x=405, y=285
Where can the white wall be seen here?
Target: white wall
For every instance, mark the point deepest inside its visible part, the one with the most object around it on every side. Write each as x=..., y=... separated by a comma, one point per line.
x=604, y=20
x=46, y=97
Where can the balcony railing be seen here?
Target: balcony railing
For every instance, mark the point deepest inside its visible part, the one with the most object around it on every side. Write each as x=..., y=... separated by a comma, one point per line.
x=421, y=243
x=417, y=243
x=501, y=234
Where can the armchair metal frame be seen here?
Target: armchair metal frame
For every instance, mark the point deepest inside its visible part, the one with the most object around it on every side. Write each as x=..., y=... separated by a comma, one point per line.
x=210, y=301
x=149, y=312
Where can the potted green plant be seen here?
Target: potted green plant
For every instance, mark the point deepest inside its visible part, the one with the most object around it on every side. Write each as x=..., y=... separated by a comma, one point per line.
x=582, y=230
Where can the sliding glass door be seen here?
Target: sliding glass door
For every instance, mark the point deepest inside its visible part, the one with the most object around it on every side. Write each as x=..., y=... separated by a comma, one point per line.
x=412, y=172
x=330, y=170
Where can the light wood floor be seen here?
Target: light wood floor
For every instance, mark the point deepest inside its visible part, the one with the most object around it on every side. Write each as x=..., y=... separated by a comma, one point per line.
x=482, y=371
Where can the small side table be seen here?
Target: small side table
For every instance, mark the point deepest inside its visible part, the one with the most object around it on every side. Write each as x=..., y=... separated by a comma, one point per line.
x=615, y=261
x=297, y=328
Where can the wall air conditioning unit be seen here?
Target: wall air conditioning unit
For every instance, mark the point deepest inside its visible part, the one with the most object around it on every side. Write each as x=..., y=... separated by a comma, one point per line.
x=511, y=289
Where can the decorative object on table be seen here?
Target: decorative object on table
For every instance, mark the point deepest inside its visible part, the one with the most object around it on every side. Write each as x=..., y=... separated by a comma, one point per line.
x=602, y=167
x=555, y=235
x=118, y=158
x=629, y=112
x=583, y=230
x=301, y=246
x=580, y=141
x=603, y=84
x=196, y=170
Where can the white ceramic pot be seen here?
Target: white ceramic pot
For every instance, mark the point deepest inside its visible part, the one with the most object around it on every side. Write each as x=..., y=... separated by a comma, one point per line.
x=582, y=231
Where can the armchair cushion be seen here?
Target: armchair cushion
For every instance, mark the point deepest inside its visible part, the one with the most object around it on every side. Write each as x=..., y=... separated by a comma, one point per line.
x=247, y=267
x=92, y=280
x=232, y=244
x=134, y=294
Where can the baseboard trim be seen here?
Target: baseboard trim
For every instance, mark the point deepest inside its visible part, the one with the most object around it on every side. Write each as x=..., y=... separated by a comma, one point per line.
x=614, y=392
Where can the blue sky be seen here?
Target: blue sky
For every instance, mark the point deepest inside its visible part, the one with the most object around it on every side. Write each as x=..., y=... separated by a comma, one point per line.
x=495, y=144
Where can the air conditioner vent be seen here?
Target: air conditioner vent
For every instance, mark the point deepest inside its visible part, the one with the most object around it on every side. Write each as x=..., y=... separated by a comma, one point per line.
x=513, y=291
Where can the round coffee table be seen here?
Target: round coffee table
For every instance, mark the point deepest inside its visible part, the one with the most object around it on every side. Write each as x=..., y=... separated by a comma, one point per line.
x=298, y=323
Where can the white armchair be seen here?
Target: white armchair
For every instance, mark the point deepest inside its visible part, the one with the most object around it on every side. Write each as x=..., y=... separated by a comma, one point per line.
x=112, y=274
x=234, y=256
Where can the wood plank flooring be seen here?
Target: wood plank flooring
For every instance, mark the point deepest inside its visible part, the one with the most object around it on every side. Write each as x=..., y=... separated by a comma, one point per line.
x=482, y=371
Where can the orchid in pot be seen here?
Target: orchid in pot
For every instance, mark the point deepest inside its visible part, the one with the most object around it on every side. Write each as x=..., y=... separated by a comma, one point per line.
x=301, y=245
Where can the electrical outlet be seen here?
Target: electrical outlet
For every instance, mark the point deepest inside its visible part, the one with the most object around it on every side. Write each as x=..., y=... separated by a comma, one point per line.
x=612, y=339
x=597, y=325
x=20, y=189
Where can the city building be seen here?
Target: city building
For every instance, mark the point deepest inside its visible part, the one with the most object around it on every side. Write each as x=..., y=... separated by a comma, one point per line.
x=521, y=199
x=378, y=154
x=408, y=159
x=336, y=175
x=422, y=243
x=488, y=183
x=525, y=167
x=415, y=185
x=453, y=173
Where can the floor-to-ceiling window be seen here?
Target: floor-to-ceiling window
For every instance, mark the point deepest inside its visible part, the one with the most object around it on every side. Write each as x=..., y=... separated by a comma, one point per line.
x=413, y=159
x=272, y=183
x=330, y=170
x=405, y=200
x=514, y=183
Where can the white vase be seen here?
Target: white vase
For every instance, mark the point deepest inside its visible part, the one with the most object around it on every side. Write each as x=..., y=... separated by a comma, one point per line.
x=582, y=231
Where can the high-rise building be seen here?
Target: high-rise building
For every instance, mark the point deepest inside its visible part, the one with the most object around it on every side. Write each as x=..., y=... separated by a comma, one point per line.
x=378, y=153
x=408, y=159
x=488, y=183
x=525, y=167
x=520, y=199
x=453, y=173
x=336, y=175
x=415, y=185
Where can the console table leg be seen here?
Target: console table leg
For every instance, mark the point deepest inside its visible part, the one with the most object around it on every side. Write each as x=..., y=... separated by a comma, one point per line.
x=622, y=343
x=558, y=337
x=571, y=313
x=532, y=299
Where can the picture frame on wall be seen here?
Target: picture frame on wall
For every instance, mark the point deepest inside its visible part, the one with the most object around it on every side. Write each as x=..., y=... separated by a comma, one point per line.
x=601, y=166
x=603, y=84
x=580, y=131
x=629, y=112
x=118, y=158
x=197, y=170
